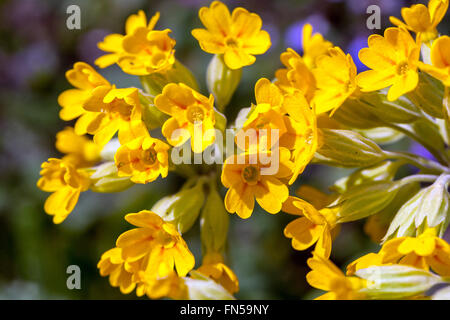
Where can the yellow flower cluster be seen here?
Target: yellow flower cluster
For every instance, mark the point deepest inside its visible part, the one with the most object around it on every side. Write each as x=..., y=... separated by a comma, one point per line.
x=307, y=113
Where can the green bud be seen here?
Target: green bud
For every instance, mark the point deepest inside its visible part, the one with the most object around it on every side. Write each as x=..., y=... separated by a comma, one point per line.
x=396, y=281
x=182, y=209
x=222, y=81
x=151, y=115
x=200, y=287
x=429, y=132
x=104, y=179
x=382, y=135
x=344, y=148
x=221, y=120
x=214, y=222
x=154, y=83
x=428, y=96
x=354, y=114
x=367, y=199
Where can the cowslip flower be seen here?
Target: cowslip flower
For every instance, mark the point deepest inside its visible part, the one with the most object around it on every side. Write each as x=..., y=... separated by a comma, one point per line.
x=242, y=175
x=324, y=275
x=112, y=264
x=156, y=246
x=79, y=150
x=238, y=36
x=314, y=45
x=66, y=182
x=266, y=116
x=295, y=76
x=440, y=60
x=421, y=19
x=142, y=50
x=143, y=159
x=170, y=286
x=393, y=60
x=314, y=227
x=192, y=116
x=335, y=75
x=84, y=78
x=110, y=110
x=214, y=268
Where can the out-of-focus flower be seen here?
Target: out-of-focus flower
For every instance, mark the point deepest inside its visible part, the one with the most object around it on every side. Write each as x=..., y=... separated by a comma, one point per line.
x=144, y=159
x=423, y=20
x=335, y=75
x=111, y=264
x=314, y=227
x=238, y=36
x=79, y=150
x=85, y=79
x=66, y=182
x=155, y=247
x=324, y=275
x=353, y=48
x=245, y=183
x=314, y=45
x=440, y=59
x=192, y=116
x=393, y=60
x=214, y=268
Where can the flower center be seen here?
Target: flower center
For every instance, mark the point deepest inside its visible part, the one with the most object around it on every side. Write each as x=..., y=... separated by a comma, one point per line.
x=195, y=114
x=121, y=108
x=164, y=238
x=250, y=174
x=402, y=68
x=149, y=157
x=231, y=42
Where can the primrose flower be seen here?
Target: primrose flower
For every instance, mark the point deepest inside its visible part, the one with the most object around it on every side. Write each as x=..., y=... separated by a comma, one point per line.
x=155, y=247
x=144, y=159
x=243, y=176
x=423, y=20
x=313, y=45
x=214, y=268
x=324, y=275
x=315, y=226
x=171, y=286
x=296, y=76
x=393, y=60
x=79, y=150
x=66, y=182
x=266, y=116
x=238, y=36
x=440, y=60
x=335, y=75
x=110, y=110
x=192, y=116
x=111, y=264
x=84, y=78
x=142, y=50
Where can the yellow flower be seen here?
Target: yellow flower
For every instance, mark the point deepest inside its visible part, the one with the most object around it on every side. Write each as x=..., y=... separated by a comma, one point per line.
x=315, y=226
x=425, y=251
x=143, y=158
x=171, y=286
x=111, y=264
x=79, y=150
x=110, y=110
x=440, y=59
x=192, y=116
x=326, y=276
x=423, y=20
x=155, y=247
x=142, y=50
x=313, y=45
x=266, y=116
x=214, y=268
x=238, y=36
x=393, y=59
x=242, y=174
x=336, y=80
x=66, y=182
x=296, y=75
x=84, y=78
x=368, y=260
x=314, y=196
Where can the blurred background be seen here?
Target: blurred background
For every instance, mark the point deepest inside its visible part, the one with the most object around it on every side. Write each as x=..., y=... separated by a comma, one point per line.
x=36, y=49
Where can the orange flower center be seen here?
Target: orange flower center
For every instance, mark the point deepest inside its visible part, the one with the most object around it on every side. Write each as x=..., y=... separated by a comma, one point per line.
x=149, y=157
x=195, y=114
x=121, y=108
x=250, y=174
x=231, y=42
x=402, y=68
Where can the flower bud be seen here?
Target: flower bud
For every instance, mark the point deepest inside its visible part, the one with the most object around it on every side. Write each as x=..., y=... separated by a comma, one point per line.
x=344, y=148
x=396, y=281
x=200, y=287
x=428, y=96
x=151, y=115
x=182, y=208
x=222, y=81
x=104, y=179
x=354, y=114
